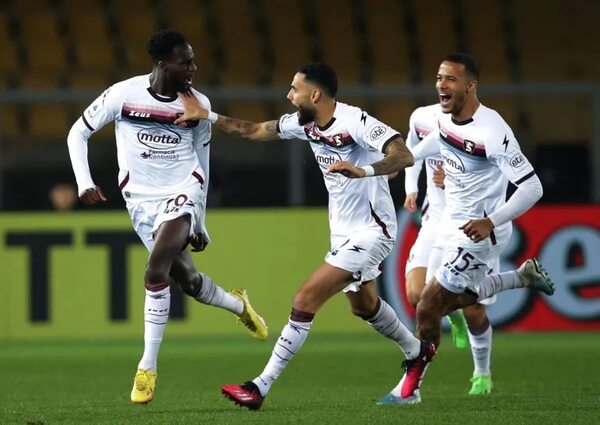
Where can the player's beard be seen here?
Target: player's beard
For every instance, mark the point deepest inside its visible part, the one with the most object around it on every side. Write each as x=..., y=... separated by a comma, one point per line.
x=306, y=115
x=458, y=103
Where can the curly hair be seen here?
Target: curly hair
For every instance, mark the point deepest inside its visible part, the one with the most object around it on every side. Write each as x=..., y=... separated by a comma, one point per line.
x=160, y=45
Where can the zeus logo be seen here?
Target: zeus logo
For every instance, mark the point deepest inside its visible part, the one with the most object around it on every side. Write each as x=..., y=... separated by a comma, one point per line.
x=139, y=114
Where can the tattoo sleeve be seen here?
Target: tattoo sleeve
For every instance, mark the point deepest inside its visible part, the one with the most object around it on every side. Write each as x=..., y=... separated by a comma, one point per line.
x=397, y=158
x=237, y=127
x=264, y=131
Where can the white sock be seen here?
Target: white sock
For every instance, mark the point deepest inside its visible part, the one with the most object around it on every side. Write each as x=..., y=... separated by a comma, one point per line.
x=481, y=347
x=156, y=316
x=212, y=294
x=498, y=282
x=289, y=343
x=387, y=323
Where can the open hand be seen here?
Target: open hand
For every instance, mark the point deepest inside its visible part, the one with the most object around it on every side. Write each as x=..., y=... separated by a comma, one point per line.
x=192, y=110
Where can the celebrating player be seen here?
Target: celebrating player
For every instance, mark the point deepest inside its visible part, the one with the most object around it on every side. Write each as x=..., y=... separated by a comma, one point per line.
x=163, y=175
x=355, y=152
x=480, y=155
x=425, y=255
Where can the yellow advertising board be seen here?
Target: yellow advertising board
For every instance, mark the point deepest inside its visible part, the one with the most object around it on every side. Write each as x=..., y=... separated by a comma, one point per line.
x=80, y=274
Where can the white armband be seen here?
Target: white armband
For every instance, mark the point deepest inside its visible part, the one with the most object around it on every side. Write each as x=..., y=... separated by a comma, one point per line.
x=212, y=117
x=369, y=170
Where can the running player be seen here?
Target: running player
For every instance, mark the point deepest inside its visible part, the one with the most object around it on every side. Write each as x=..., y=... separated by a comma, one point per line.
x=163, y=175
x=425, y=254
x=355, y=152
x=480, y=155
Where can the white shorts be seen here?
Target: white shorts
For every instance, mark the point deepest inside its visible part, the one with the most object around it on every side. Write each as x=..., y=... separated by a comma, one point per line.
x=147, y=216
x=360, y=253
x=465, y=263
x=421, y=249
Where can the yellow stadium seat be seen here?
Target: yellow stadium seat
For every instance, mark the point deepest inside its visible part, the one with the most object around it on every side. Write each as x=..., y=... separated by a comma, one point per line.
x=388, y=42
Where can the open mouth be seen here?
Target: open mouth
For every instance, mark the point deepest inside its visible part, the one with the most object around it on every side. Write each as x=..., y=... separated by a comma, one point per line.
x=188, y=80
x=445, y=99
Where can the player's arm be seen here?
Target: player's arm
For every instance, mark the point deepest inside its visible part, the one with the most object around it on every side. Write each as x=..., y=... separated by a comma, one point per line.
x=411, y=174
x=397, y=158
x=517, y=169
x=77, y=142
x=102, y=111
x=259, y=132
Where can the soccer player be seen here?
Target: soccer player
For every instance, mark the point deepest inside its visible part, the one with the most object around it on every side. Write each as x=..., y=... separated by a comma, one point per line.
x=356, y=153
x=480, y=155
x=425, y=255
x=163, y=175
x=421, y=123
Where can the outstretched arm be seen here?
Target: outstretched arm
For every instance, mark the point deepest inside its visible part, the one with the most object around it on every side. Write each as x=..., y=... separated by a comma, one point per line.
x=397, y=158
x=259, y=132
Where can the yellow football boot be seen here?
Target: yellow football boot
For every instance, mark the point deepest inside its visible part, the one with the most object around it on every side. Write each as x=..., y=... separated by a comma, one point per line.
x=143, y=387
x=254, y=323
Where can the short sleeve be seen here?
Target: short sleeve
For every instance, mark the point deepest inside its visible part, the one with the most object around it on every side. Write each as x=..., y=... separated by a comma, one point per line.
x=368, y=131
x=503, y=150
x=104, y=109
x=289, y=128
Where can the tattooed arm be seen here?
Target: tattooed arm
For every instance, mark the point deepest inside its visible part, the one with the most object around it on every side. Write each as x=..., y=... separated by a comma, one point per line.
x=397, y=158
x=260, y=132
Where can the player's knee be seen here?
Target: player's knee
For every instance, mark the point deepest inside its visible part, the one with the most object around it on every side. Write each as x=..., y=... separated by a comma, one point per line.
x=155, y=275
x=190, y=285
x=413, y=295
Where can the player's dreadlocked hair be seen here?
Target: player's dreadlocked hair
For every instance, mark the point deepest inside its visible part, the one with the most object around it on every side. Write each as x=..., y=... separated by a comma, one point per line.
x=160, y=45
x=322, y=75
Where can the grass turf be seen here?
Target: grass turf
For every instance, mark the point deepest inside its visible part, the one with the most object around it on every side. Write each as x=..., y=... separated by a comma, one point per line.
x=538, y=378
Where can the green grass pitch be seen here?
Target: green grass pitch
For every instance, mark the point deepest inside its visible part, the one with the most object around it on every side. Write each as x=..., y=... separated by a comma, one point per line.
x=538, y=378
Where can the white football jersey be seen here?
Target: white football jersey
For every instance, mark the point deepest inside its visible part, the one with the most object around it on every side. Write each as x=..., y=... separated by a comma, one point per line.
x=423, y=121
x=480, y=156
x=156, y=158
x=353, y=136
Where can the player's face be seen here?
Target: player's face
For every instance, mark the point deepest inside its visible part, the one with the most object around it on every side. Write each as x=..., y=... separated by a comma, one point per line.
x=180, y=68
x=453, y=87
x=302, y=95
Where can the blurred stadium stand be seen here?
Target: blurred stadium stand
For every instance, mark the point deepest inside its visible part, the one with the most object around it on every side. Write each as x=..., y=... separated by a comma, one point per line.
x=539, y=70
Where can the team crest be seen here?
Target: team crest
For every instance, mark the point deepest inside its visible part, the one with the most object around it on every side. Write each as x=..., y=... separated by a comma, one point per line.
x=469, y=147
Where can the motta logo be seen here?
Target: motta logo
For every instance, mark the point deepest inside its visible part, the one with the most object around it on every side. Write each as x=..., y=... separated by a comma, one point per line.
x=454, y=164
x=158, y=139
x=566, y=239
x=326, y=159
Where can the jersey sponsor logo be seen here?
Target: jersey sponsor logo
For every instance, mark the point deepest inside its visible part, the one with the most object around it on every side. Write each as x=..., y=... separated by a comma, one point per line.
x=469, y=147
x=454, y=164
x=517, y=160
x=325, y=160
x=434, y=162
x=158, y=139
x=377, y=132
x=160, y=154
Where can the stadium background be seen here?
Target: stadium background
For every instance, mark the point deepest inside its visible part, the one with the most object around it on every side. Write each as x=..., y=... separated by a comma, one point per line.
x=58, y=55
x=71, y=278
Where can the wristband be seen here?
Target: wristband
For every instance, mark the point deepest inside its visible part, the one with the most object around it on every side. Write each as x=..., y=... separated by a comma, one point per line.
x=212, y=117
x=369, y=171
